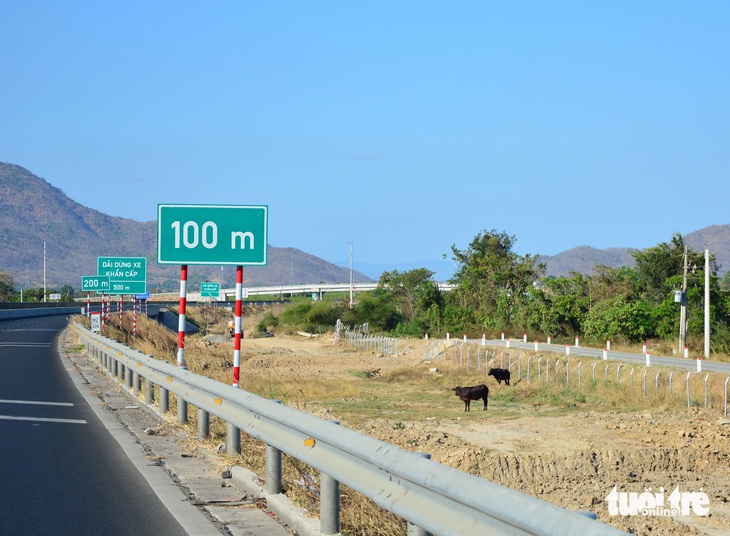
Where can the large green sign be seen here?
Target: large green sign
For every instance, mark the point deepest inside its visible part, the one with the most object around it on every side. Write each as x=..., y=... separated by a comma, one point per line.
x=127, y=275
x=212, y=234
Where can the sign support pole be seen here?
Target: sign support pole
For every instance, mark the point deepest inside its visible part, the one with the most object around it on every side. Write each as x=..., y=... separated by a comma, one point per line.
x=102, y=309
x=88, y=304
x=134, y=315
x=181, y=318
x=237, y=331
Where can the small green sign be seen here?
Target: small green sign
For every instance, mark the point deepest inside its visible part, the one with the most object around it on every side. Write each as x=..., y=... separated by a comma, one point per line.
x=127, y=275
x=210, y=289
x=94, y=283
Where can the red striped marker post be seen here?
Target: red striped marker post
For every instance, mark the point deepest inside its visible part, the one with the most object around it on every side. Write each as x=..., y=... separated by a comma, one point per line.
x=181, y=318
x=237, y=327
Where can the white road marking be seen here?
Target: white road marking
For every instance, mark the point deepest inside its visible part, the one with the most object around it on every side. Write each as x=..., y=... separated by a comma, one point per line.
x=41, y=419
x=36, y=402
x=25, y=344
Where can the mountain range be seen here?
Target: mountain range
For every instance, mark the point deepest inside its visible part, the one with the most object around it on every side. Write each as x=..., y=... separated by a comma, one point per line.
x=35, y=215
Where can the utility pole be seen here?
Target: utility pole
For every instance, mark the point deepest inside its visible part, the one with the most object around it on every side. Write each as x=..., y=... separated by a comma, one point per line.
x=351, y=283
x=707, y=304
x=683, y=308
x=44, y=272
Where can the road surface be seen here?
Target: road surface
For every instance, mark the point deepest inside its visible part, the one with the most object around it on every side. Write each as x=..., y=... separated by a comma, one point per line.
x=62, y=471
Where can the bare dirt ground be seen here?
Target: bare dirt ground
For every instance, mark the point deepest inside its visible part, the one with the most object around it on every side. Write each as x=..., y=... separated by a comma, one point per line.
x=572, y=459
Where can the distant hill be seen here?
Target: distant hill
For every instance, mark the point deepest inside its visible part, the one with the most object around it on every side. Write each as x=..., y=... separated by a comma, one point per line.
x=583, y=259
x=716, y=238
x=33, y=211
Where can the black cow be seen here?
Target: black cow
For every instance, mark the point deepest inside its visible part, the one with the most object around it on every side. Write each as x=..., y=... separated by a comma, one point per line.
x=467, y=394
x=499, y=375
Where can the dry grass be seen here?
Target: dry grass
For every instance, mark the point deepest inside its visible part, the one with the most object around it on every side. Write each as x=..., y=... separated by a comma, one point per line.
x=403, y=394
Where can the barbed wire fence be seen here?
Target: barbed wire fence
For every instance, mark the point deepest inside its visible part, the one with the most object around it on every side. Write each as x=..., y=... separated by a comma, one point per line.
x=570, y=371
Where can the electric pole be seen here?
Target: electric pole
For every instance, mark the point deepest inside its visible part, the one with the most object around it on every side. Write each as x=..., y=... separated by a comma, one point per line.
x=683, y=308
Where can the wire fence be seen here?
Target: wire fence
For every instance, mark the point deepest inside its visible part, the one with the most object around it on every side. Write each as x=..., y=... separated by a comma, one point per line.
x=698, y=390
x=359, y=336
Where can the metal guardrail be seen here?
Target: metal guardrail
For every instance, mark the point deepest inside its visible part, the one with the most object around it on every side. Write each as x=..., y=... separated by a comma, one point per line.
x=44, y=311
x=429, y=496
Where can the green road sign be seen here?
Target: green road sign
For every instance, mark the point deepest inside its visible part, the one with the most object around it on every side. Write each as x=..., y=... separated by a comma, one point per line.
x=94, y=283
x=210, y=289
x=212, y=234
x=127, y=275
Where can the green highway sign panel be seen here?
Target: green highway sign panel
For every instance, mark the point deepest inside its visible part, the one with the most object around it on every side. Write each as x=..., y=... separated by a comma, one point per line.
x=94, y=283
x=210, y=289
x=127, y=275
x=212, y=234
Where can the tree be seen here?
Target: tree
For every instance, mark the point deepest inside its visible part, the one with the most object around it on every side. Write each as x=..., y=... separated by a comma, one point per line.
x=7, y=286
x=569, y=303
x=492, y=280
x=656, y=266
x=414, y=291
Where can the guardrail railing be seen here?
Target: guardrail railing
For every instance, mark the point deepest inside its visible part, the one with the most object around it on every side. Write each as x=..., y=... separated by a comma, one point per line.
x=431, y=497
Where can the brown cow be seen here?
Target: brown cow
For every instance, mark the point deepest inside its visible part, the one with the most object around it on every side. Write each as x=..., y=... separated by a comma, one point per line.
x=467, y=394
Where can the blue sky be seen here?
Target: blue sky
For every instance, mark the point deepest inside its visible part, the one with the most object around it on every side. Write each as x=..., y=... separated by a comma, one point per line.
x=404, y=127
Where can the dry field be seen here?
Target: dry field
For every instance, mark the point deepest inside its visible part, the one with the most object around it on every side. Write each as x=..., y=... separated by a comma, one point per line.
x=565, y=445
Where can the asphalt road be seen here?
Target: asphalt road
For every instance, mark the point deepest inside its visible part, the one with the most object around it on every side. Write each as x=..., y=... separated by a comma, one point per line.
x=61, y=470
x=689, y=364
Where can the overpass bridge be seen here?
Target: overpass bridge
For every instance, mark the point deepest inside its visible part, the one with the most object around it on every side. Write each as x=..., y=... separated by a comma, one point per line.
x=305, y=288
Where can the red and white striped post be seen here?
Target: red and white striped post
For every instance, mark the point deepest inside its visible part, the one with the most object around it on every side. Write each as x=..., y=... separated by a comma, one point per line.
x=120, y=307
x=237, y=327
x=181, y=317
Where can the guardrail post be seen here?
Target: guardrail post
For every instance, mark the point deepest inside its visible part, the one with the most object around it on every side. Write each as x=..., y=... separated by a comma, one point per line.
x=149, y=391
x=164, y=400
x=128, y=377
x=273, y=468
x=233, y=440
x=203, y=423
x=182, y=410
x=329, y=503
x=411, y=529
x=137, y=383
